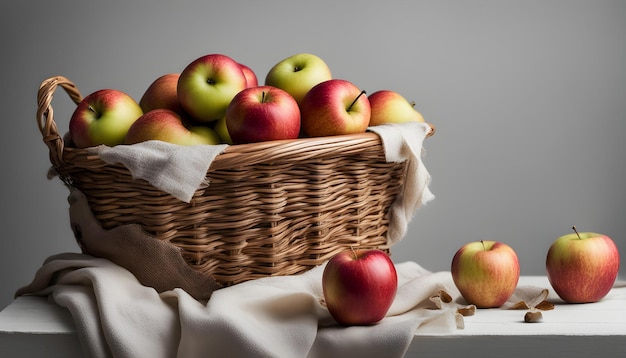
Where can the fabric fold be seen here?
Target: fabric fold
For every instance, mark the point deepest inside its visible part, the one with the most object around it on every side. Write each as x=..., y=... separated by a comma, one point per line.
x=175, y=169
x=404, y=142
x=281, y=316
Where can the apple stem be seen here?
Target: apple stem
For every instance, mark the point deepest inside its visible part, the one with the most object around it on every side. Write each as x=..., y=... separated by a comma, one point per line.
x=483, y=243
x=90, y=107
x=576, y=231
x=263, y=97
x=412, y=103
x=356, y=99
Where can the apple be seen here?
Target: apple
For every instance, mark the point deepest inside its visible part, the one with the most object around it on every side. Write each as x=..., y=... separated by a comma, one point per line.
x=262, y=113
x=208, y=84
x=222, y=130
x=486, y=273
x=582, y=267
x=103, y=117
x=391, y=107
x=334, y=107
x=251, y=79
x=167, y=126
x=162, y=93
x=297, y=74
x=359, y=286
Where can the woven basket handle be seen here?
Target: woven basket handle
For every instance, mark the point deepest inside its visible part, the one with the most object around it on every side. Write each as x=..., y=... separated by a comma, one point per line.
x=45, y=115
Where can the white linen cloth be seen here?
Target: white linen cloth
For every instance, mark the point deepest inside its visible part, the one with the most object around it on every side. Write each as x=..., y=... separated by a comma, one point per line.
x=280, y=316
x=176, y=169
x=405, y=142
x=181, y=170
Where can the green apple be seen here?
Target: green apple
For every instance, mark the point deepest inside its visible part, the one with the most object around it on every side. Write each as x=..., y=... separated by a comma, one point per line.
x=486, y=273
x=167, y=126
x=297, y=74
x=334, y=107
x=222, y=130
x=391, y=107
x=103, y=117
x=208, y=84
x=582, y=267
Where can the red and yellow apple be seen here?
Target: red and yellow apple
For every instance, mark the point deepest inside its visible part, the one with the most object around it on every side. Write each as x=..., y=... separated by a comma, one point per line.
x=391, y=107
x=582, y=267
x=297, y=74
x=103, y=117
x=167, y=126
x=359, y=286
x=334, y=107
x=208, y=84
x=486, y=273
x=162, y=94
x=262, y=113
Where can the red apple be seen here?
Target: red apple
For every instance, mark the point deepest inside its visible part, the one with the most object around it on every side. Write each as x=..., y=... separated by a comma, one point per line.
x=251, y=79
x=359, y=286
x=582, y=267
x=262, y=113
x=334, y=107
x=486, y=273
x=103, y=117
x=166, y=125
x=208, y=84
x=162, y=94
x=391, y=107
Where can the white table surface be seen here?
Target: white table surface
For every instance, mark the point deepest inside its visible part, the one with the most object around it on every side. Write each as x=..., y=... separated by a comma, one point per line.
x=34, y=327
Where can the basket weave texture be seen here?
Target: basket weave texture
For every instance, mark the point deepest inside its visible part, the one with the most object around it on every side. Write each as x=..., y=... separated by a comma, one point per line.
x=272, y=208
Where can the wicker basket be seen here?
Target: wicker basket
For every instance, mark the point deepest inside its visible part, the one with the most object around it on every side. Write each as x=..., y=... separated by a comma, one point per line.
x=272, y=208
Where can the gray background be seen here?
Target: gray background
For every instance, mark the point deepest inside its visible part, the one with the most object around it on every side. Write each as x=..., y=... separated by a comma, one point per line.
x=529, y=99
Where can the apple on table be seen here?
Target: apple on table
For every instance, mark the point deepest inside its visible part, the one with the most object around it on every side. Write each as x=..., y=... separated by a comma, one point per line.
x=103, y=117
x=297, y=74
x=262, y=113
x=334, y=107
x=359, y=286
x=208, y=84
x=582, y=267
x=167, y=126
x=391, y=107
x=486, y=273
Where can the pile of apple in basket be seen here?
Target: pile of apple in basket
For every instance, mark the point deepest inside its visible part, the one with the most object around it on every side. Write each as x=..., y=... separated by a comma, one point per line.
x=216, y=99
